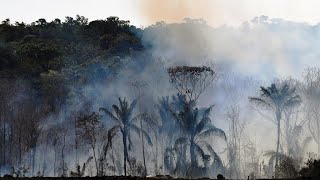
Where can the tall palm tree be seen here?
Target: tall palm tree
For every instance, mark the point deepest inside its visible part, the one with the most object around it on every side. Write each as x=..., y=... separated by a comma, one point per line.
x=122, y=115
x=196, y=125
x=277, y=99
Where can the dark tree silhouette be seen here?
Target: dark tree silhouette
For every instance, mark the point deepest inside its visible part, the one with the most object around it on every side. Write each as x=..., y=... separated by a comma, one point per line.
x=277, y=99
x=122, y=115
x=88, y=129
x=191, y=81
x=196, y=125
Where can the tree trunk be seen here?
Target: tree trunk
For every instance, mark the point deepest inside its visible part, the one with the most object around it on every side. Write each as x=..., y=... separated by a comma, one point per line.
x=143, y=154
x=33, y=159
x=55, y=161
x=62, y=155
x=95, y=159
x=20, y=146
x=114, y=165
x=156, y=159
x=44, y=158
x=318, y=138
x=278, y=116
x=76, y=141
x=318, y=150
x=4, y=140
x=193, y=155
x=125, y=153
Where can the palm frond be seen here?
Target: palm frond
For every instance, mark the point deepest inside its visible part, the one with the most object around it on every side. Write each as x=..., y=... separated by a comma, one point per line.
x=145, y=117
x=111, y=115
x=216, y=157
x=213, y=131
x=136, y=118
x=207, y=111
x=265, y=91
x=123, y=104
x=285, y=89
x=111, y=133
x=200, y=151
x=133, y=104
x=260, y=101
x=130, y=147
x=139, y=131
x=135, y=128
x=293, y=101
x=273, y=89
x=177, y=117
x=131, y=108
x=204, y=121
x=148, y=138
x=117, y=110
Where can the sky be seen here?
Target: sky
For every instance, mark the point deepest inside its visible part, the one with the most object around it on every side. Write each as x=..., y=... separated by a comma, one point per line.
x=145, y=12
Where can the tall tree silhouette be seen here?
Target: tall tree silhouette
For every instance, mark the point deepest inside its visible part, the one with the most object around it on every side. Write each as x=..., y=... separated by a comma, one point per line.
x=190, y=82
x=122, y=115
x=196, y=125
x=277, y=99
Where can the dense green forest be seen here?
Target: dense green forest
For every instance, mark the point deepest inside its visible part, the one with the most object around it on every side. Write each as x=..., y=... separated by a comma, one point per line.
x=82, y=98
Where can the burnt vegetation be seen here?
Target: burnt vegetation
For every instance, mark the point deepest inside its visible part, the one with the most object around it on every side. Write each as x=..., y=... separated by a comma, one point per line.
x=59, y=118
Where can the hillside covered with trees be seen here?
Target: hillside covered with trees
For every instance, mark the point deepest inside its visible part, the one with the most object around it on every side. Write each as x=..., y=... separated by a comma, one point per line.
x=98, y=98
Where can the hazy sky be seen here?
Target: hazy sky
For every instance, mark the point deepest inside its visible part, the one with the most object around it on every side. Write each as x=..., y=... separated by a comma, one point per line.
x=145, y=12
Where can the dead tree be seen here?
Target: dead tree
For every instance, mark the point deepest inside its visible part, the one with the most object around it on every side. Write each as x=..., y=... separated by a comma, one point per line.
x=138, y=85
x=191, y=81
x=89, y=127
x=312, y=98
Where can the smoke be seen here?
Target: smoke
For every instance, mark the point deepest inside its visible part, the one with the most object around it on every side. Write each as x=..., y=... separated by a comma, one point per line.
x=176, y=11
x=244, y=57
x=264, y=48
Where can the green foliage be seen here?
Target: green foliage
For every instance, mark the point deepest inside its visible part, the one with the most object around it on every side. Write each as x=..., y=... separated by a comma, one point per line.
x=33, y=49
x=54, y=61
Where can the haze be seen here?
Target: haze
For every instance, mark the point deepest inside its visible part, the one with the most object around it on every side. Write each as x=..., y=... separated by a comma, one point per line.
x=146, y=12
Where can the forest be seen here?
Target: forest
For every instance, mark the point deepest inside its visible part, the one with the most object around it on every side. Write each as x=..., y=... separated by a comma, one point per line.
x=105, y=98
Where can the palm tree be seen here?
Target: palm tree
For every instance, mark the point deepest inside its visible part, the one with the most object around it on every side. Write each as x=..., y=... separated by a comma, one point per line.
x=122, y=115
x=277, y=99
x=293, y=159
x=196, y=125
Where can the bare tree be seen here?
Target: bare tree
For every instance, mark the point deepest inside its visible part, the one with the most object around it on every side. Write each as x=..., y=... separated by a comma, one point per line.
x=138, y=85
x=89, y=128
x=312, y=98
x=236, y=129
x=191, y=81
